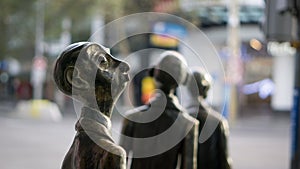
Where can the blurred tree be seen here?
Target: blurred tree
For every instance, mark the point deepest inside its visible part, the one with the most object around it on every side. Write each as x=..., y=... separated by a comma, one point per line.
x=18, y=22
x=16, y=28
x=135, y=6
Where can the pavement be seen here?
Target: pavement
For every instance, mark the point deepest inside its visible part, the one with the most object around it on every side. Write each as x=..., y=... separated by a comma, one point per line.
x=259, y=139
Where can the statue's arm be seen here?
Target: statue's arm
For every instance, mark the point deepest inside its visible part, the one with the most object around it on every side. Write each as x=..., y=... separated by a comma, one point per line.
x=190, y=148
x=225, y=160
x=115, y=157
x=68, y=160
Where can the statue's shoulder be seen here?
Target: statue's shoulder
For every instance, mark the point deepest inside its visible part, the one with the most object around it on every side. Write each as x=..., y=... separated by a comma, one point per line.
x=213, y=114
x=112, y=148
x=186, y=120
x=135, y=112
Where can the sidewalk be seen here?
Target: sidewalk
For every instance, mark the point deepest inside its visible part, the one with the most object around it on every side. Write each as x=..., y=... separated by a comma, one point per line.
x=260, y=139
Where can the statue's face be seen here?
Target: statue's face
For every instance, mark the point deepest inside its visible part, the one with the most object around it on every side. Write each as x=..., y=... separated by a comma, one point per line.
x=111, y=73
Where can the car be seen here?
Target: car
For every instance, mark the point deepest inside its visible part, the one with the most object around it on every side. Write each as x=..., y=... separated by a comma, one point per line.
x=203, y=16
x=218, y=15
x=251, y=14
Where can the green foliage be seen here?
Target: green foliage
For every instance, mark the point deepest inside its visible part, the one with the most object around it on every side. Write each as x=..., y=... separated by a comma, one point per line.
x=18, y=22
x=15, y=24
x=135, y=6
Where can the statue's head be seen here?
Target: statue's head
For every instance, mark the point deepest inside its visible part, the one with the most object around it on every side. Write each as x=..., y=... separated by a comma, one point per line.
x=170, y=71
x=199, y=83
x=88, y=73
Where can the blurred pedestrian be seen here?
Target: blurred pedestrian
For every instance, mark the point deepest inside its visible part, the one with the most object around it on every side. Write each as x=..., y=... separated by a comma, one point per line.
x=24, y=90
x=213, y=128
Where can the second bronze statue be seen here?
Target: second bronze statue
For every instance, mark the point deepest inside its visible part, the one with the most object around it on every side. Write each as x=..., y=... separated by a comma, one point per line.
x=167, y=135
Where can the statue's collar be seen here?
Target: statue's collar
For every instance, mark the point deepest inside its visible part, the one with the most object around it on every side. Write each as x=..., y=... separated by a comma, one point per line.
x=95, y=125
x=96, y=115
x=169, y=101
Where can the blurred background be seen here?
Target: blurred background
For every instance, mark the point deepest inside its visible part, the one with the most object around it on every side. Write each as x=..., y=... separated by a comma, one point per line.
x=244, y=45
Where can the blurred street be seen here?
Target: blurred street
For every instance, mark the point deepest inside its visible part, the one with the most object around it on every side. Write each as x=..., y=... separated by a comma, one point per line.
x=259, y=139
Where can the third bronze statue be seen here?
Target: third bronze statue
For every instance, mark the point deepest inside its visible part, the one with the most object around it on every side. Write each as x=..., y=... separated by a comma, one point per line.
x=88, y=73
x=160, y=132
x=213, y=151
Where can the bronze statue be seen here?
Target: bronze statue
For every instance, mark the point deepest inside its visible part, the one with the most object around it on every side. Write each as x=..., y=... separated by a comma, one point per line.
x=153, y=120
x=213, y=152
x=88, y=73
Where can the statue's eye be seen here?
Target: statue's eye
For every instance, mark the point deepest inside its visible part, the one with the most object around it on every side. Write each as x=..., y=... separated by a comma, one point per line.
x=102, y=61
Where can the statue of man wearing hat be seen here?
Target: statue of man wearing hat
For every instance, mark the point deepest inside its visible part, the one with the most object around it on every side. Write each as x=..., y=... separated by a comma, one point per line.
x=88, y=73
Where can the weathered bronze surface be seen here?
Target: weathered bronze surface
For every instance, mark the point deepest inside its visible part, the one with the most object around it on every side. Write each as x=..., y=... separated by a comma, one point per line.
x=87, y=72
x=168, y=73
x=213, y=152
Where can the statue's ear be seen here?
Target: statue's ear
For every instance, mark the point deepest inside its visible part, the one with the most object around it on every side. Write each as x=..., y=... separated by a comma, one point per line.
x=74, y=80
